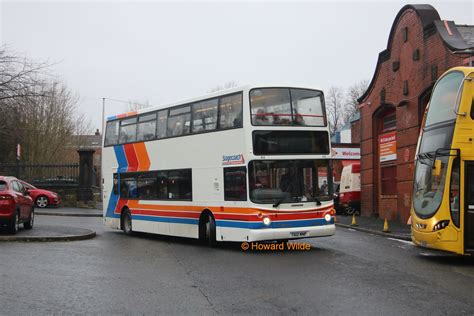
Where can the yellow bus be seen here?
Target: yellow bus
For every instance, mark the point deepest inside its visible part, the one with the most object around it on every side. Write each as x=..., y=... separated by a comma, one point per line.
x=443, y=191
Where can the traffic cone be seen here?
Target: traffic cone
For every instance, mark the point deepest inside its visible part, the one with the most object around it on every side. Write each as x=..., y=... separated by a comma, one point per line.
x=385, y=227
x=354, y=223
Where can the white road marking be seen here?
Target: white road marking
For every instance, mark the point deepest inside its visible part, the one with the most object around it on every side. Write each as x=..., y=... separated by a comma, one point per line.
x=402, y=241
x=352, y=230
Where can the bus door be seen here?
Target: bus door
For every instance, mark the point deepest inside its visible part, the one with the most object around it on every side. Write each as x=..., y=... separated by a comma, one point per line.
x=469, y=207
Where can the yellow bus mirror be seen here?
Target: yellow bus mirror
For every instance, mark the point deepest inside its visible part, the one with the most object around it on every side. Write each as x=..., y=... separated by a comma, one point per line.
x=436, y=168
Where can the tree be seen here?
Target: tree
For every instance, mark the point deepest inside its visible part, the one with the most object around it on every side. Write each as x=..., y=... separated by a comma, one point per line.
x=38, y=113
x=335, y=108
x=225, y=86
x=18, y=77
x=134, y=106
x=353, y=93
x=45, y=124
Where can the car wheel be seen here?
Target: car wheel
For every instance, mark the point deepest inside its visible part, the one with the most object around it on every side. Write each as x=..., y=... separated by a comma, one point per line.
x=15, y=224
x=31, y=220
x=42, y=201
x=127, y=222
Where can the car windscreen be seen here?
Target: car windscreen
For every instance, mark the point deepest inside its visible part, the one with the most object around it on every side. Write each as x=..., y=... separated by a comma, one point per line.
x=28, y=186
x=3, y=186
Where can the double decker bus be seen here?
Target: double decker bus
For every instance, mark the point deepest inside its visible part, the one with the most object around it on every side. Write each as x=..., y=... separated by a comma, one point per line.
x=244, y=164
x=443, y=192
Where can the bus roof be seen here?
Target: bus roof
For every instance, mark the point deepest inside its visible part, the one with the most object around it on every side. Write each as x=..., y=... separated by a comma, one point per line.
x=206, y=96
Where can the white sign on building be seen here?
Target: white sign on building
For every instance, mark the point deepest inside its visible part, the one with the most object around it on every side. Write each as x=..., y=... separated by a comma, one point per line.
x=345, y=153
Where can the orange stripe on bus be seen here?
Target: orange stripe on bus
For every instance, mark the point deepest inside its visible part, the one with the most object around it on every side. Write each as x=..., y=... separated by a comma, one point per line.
x=142, y=155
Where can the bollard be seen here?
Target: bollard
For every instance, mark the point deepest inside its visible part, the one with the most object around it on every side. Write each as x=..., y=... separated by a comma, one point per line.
x=354, y=223
x=385, y=226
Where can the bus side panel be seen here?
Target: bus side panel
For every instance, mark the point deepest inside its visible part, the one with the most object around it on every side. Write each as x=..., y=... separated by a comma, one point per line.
x=148, y=226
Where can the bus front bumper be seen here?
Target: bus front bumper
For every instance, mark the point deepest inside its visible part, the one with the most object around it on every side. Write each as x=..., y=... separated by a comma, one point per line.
x=446, y=239
x=250, y=235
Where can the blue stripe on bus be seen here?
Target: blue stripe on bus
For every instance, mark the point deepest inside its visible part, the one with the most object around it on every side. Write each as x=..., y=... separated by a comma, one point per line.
x=279, y=224
x=112, y=204
x=121, y=158
x=122, y=166
x=173, y=220
x=113, y=117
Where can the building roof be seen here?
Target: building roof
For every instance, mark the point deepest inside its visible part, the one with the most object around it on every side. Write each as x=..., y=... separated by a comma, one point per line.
x=354, y=117
x=87, y=141
x=456, y=37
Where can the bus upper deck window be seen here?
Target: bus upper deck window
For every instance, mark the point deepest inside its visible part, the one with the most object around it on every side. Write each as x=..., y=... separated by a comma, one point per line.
x=128, y=130
x=146, y=127
x=111, y=133
x=230, y=109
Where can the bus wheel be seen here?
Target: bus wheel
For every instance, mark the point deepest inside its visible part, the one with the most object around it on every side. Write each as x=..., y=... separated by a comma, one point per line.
x=207, y=229
x=126, y=220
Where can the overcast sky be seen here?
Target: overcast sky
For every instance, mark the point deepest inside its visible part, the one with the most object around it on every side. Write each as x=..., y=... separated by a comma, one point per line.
x=162, y=52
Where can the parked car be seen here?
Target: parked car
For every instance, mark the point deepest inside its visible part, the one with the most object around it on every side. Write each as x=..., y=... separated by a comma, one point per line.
x=42, y=198
x=16, y=205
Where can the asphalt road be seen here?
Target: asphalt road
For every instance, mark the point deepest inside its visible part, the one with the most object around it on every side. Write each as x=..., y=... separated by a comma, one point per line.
x=350, y=273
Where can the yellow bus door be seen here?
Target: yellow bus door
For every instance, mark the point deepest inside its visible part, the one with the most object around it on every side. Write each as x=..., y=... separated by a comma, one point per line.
x=469, y=207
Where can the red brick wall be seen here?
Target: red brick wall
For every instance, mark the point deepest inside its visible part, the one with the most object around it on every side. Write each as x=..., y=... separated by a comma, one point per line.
x=355, y=132
x=432, y=52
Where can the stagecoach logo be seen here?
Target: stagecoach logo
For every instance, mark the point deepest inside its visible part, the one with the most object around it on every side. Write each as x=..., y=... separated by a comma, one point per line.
x=233, y=160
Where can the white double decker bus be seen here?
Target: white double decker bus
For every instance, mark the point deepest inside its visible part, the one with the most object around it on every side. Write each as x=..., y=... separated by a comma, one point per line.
x=244, y=164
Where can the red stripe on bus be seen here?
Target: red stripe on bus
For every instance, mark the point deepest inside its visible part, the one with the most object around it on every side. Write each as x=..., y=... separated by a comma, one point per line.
x=131, y=157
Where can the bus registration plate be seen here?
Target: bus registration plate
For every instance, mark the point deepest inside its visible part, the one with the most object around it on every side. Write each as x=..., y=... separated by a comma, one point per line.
x=298, y=234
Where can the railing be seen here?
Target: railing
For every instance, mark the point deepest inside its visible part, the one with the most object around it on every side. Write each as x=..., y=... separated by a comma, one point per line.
x=49, y=174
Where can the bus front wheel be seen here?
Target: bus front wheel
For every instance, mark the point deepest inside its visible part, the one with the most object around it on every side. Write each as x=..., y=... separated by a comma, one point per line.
x=126, y=219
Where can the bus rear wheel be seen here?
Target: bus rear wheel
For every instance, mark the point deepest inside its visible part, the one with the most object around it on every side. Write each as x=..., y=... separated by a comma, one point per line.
x=207, y=229
x=126, y=220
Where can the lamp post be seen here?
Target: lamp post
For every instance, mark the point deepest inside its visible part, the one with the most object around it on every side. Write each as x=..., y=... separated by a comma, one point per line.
x=103, y=116
x=102, y=154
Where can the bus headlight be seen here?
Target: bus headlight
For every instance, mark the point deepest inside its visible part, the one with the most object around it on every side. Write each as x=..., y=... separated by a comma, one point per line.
x=327, y=217
x=441, y=225
x=267, y=221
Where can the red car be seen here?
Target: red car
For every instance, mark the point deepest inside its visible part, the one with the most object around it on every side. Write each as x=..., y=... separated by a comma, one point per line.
x=42, y=198
x=16, y=205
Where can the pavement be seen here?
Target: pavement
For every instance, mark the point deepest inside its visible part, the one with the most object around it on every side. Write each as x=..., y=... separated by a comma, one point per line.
x=43, y=233
x=375, y=226
x=46, y=233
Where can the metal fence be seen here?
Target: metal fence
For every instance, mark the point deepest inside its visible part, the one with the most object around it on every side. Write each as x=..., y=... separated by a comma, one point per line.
x=63, y=174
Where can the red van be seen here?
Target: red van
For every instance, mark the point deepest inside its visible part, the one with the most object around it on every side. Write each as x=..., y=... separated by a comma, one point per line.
x=16, y=205
x=349, y=192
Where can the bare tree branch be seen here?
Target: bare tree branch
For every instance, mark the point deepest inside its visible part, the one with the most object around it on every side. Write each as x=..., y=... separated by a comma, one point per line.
x=225, y=86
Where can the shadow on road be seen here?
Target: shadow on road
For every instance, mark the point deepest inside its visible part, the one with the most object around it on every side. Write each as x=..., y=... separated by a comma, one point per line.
x=447, y=259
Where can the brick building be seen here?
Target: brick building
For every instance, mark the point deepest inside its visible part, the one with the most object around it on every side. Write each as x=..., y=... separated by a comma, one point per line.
x=420, y=48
